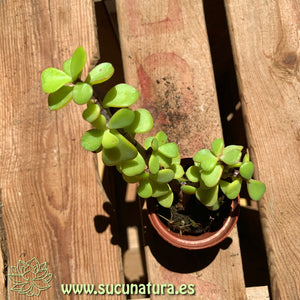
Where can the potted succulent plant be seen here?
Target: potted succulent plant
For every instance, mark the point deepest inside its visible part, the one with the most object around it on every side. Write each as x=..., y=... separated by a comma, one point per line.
x=192, y=203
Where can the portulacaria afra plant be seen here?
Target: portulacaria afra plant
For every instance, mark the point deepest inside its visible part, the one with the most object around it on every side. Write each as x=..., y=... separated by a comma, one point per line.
x=156, y=165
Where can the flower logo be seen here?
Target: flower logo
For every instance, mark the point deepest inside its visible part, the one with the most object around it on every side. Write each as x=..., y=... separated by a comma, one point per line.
x=30, y=278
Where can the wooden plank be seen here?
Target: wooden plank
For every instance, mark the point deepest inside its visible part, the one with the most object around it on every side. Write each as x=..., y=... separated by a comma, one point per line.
x=50, y=192
x=265, y=38
x=3, y=261
x=257, y=293
x=166, y=56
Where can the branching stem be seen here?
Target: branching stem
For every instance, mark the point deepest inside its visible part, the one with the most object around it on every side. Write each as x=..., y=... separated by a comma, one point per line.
x=107, y=114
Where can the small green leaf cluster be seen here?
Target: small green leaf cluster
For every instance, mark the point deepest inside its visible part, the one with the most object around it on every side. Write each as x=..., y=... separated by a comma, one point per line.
x=109, y=135
x=65, y=85
x=163, y=165
x=221, y=168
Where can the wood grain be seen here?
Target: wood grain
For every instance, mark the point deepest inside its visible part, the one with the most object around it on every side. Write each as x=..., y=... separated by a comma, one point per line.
x=166, y=60
x=2, y=274
x=50, y=192
x=265, y=39
x=166, y=57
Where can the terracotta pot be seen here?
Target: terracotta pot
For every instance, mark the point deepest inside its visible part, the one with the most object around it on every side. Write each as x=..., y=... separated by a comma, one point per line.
x=191, y=242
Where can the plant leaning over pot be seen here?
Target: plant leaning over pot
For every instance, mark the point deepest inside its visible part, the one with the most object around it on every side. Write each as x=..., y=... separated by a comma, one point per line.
x=192, y=206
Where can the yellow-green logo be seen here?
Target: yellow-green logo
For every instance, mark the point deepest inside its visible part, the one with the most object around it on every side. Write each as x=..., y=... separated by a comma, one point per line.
x=30, y=278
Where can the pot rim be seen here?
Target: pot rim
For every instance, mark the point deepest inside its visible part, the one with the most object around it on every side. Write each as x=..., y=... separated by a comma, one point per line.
x=191, y=242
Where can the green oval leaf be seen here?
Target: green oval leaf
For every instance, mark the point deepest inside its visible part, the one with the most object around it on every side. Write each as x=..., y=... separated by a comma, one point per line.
x=60, y=98
x=206, y=159
x=213, y=177
x=121, y=95
x=193, y=174
x=164, y=161
x=143, y=122
x=92, y=139
x=166, y=200
x=247, y=169
x=67, y=67
x=236, y=165
x=169, y=150
x=134, y=166
x=232, y=154
x=100, y=73
x=121, y=118
x=122, y=152
x=231, y=157
x=109, y=140
x=136, y=178
x=154, y=144
x=232, y=189
x=92, y=112
x=188, y=189
x=233, y=147
x=246, y=158
x=217, y=147
x=82, y=93
x=159, y=189
x=176, y=160
x=148, y=141
x=256, y=189
x=163, y=176
x=130, y=179
x=203, y=186
x=161, y=138
x=208, y=197
x=178, y=170
x=144, y=190
x=154, y=163
x=223, y=185
x=53, y=79
x=100, y=123
x=77, y=62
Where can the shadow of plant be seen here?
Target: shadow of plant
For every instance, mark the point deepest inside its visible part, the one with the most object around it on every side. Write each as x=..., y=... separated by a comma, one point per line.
x=116, y=194
x=102, y=222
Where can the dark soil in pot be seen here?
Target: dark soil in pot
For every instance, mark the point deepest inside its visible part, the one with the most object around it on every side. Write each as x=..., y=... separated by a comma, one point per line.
x=201, y=237
x=195, y=219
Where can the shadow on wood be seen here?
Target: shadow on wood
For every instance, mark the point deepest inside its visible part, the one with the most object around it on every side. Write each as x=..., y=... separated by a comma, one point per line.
x=224, y=72
x=253, y=248
x=115, y=189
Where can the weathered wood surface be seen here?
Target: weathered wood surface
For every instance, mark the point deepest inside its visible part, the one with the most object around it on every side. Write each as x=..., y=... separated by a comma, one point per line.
x=49, y=189
x=258, y=293
x=265, y=40
x=166, y=56
x=2, y=277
